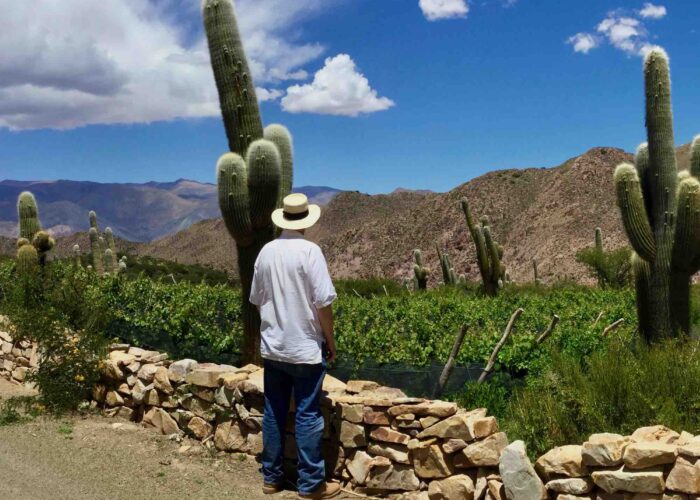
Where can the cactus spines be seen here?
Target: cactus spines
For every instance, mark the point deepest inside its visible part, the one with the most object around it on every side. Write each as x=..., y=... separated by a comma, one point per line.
x=421, y=273
x=96, y=252
x=660, y=213
x=27, y=260
x=93, y=220
x=257, y=174
x=28, y=215
x=239, y=104
x=109, y=236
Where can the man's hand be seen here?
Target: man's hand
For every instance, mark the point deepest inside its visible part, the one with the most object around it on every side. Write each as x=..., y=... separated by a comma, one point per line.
x=325, y=317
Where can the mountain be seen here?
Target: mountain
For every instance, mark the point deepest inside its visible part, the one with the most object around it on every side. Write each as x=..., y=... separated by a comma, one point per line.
x=543, y=213
x=135, y=212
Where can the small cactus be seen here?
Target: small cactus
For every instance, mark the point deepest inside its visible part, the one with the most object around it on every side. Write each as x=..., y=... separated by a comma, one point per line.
x=28, y=215
x=109, y=236
x=449, y=276
x=536, y=272
x=421, y=273
x=96, y=252
x=76, y=256
x=27, y=260
x=110, y=262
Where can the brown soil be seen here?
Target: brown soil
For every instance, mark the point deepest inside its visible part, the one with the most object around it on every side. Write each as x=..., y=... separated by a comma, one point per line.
x=100, y=458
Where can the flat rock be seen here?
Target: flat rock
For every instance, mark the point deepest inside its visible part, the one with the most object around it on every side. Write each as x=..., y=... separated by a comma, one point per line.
x=655, y=433
x=459, y=486
x=518, y=476
x=230, y=380
x=147, y=372
x=332, y=384
x=358, y=386
x=455, y=427
x=454, y=445
x=372, y=417
x=431, y=463
x=177, y=371
x=199, y=427
x=229, y=436
x=393, y=478
x=484, y=453
x=604, y=450
x=685, y=476
x=439, y=409
x=351, y=413
x=160, y=421
x=564, y=460
x=388, y=435
x=645, y=454
x=207, y=376
x=359, y=466
x=113, y=398
x=352, y=435
x=644, y=481
x=161, y=381
x=571, y=486
x=691, y=450
x=255, y=384
x=394, y=452
x=121, y=358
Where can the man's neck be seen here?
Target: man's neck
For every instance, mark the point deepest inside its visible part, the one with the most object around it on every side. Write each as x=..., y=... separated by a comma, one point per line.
x=290, y=233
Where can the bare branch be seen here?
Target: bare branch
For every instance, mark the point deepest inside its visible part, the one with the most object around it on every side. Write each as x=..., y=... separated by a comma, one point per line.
x=499, y=346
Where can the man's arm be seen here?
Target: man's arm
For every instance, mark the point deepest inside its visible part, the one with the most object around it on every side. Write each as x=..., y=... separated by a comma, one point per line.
x=325, y=317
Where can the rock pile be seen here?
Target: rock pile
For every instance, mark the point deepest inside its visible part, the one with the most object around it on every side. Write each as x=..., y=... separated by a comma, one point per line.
x=379, y=442
x=16, y=358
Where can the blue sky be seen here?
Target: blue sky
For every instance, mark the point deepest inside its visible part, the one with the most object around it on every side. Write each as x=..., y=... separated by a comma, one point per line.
x=377, y=93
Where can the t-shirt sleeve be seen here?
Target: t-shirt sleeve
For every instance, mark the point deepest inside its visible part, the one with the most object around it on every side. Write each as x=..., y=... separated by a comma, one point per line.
x=322, y=289
x=256, y=289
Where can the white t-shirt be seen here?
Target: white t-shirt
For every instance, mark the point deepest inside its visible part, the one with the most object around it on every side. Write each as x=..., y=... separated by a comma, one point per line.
x=290, y=283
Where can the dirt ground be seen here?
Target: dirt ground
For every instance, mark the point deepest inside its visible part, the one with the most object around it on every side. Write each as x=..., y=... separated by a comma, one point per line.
x=100, y=458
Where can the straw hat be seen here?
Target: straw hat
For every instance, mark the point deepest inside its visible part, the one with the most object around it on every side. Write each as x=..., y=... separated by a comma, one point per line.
x=297, y=214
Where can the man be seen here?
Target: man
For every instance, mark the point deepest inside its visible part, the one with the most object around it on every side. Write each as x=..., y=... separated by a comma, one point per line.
x=294, y=292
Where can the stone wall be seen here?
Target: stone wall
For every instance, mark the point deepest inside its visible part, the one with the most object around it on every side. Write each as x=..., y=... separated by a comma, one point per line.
x=379, y=442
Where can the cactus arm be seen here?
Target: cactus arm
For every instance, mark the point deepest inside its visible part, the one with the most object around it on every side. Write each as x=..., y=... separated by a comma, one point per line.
x=687, y=235
x=641, y=272
x=495, y=263
x=27, y=260
x=28, y=215
x=109, y=235
x=93, y=220
x=695, y=157
x=280, y=137
x=232, y=182
x=239, y=104
x=634, y=216
x=109, y=262
x=479, y=241
x=264, y=172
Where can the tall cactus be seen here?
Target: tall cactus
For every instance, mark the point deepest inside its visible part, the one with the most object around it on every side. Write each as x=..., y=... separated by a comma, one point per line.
x=661, y=214
x=27, y=259
x=256, y=175
x=598, y=239
x=488, y=252
x=110, y=262
x=96, y=252
x=421, y=273
x=109, y=236
x=76, y=256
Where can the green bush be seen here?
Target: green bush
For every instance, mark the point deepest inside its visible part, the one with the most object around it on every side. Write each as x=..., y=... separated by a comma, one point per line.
x=611, y=269
x=368, y=288
x=617, y=389
x=57, y=307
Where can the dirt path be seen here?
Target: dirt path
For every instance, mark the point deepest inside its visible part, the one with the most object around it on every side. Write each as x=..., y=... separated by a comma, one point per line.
x=99, y=458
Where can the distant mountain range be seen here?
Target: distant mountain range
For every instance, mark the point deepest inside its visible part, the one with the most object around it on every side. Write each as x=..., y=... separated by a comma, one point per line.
x=135, y=212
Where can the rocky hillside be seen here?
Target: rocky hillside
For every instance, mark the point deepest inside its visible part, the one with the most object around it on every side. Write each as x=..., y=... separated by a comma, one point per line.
x=136, y=212
x=542, y=213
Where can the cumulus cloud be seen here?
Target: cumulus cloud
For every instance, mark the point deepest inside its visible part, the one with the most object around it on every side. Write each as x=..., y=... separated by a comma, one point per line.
x=79, y=62
x=337, y=89
x=583, y=42
x=651, y=11
x=434, y=10
x=622, y=30
x=268, y=94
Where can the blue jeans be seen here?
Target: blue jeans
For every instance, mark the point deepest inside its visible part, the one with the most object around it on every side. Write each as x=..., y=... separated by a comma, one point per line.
x=305, y=382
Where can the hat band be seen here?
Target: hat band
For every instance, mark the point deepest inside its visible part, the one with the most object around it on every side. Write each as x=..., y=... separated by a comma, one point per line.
x=299, y=216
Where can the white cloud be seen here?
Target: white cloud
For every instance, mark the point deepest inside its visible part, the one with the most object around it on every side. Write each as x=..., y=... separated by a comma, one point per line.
x=337, y=89
x=622, y=30
x=583, y=42
x=79, y=62
x=651, y=11
x=434, y=10
x=268, y=94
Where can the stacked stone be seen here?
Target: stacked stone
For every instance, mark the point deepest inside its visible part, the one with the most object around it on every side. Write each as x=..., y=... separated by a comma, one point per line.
x=653, y=463
x=16, y=358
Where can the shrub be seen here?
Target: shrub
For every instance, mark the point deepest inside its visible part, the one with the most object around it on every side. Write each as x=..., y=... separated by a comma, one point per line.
x=611, y=269
x=617, y=389
x=368, y=288
x=56, y=307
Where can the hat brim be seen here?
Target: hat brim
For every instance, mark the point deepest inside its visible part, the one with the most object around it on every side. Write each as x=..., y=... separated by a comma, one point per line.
x=296, y=225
